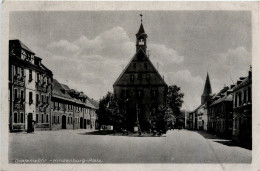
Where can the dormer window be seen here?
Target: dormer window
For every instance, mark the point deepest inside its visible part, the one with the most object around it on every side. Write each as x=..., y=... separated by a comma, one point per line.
x=23, y=54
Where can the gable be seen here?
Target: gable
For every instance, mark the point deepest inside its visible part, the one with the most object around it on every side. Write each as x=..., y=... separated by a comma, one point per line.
x=140, y=71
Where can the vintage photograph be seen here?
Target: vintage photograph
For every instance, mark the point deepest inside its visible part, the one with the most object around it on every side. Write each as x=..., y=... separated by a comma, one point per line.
x=129, y=87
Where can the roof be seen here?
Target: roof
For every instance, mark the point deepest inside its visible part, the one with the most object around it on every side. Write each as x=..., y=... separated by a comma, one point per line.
x=22, y=45
x=141, y=29
x=58, y=91
x=245, y=81
x=207, y=88
x=94, y=102
x=160, y=79
x=226, y=97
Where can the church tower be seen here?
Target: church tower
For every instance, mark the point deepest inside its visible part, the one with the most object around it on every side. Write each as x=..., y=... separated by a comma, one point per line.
x=140, y=87
x=141, y=37
x=207, y=91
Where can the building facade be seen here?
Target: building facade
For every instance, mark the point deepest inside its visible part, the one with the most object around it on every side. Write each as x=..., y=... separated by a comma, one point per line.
x=242, y=114
x=140, y=87
x=30, y=88
x=71, y=109
x=199, y=117
x=221, y=112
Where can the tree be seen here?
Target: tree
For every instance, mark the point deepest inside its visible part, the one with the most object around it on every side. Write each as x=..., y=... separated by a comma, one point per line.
x=111, y=112
x=174, y=99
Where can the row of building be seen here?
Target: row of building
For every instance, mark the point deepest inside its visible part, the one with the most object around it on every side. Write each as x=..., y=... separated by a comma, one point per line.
x=227, y=113
x=38, y=101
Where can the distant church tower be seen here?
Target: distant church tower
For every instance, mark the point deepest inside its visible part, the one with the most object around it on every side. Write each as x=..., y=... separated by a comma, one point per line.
x=207, y=91
x=140, y=87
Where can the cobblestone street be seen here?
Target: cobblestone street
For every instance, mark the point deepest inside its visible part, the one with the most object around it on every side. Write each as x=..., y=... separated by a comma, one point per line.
x=177, y=146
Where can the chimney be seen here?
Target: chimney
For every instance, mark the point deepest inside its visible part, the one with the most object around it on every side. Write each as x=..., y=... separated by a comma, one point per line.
x=250, y=72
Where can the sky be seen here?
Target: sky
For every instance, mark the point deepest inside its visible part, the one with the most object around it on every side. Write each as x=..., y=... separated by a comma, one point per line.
x=87, y=50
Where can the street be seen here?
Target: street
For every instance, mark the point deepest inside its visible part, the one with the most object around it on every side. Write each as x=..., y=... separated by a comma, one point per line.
x=177, y=146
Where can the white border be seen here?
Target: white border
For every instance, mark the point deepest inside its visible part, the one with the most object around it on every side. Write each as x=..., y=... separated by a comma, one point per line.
x=95, y=6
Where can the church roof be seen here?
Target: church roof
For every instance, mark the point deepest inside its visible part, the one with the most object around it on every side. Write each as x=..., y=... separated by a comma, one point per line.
x=207, y=88
x=121, y=80
x=141, y=29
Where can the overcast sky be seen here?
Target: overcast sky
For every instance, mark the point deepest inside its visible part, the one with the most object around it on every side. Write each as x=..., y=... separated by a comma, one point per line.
x=88, y=50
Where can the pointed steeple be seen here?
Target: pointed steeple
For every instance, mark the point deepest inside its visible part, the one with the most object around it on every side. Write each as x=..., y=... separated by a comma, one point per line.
x=207, y=90
x=141, y=29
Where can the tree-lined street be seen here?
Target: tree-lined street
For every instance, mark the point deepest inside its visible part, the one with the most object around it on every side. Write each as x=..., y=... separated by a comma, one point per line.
x=177, y=146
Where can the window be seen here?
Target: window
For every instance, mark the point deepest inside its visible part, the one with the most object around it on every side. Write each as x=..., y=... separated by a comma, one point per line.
x=132, y=77
x=15, y=94
x=15, y=117
x=245, y=100
x=140, y=77
x=47, y=118
x=22, y=72
x=37, y=77
x=58, y=119
x=15, y=70
x=239, y=99
x=145, y=66
x=22, y=118
x=37, y=99
x=249, y=94
x=30, y=75
x=139, y=93
x=148, y=77
x=235, y=100
x=37, y=118
x=22, y=94
x=42, y=119
x=30, y=98
x=134, y=65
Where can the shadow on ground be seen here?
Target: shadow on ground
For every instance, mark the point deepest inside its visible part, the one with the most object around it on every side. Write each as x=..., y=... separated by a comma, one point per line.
x=221, y=140
x=112, y=133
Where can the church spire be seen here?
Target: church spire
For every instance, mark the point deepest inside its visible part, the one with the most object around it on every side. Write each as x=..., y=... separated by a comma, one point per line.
x=207, y=90
x=141, y=37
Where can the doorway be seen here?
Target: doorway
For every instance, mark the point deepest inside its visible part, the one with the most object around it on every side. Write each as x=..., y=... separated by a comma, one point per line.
x=63, y=123
x=29, y=123
x=81, y=122
x=85, y=123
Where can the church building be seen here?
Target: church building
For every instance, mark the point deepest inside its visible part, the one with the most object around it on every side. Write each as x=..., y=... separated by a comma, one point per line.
x=140, y=87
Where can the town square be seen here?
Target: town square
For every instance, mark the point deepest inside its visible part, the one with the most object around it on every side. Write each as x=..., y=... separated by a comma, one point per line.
x=130, y=87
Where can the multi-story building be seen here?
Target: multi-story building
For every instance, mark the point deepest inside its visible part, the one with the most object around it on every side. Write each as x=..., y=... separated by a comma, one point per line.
x=62, y=108
x=221, y=113
x=71, y=109
x=242, y=110
x=140, y=87
x=29, y=79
